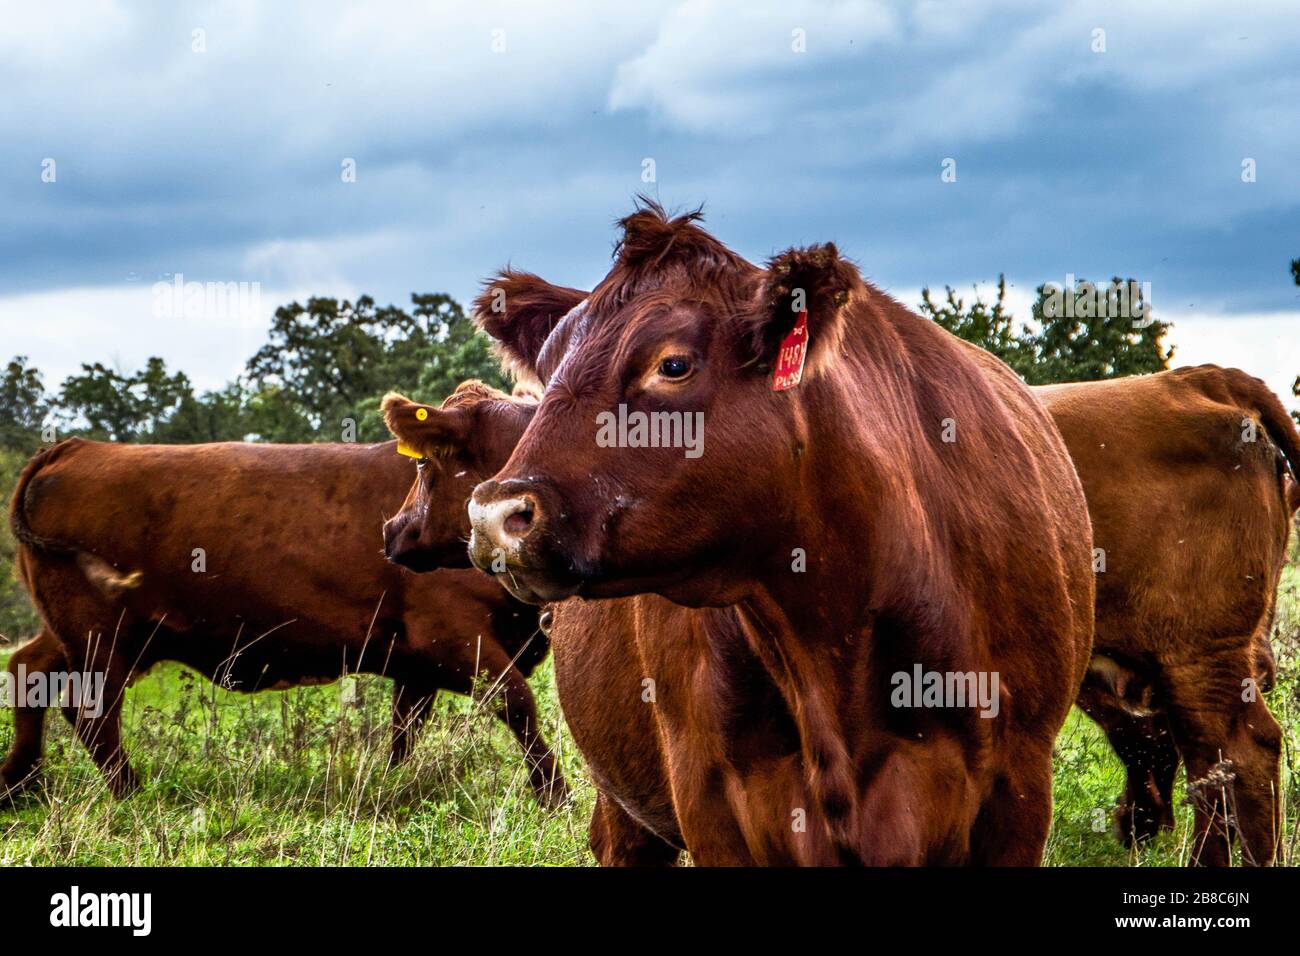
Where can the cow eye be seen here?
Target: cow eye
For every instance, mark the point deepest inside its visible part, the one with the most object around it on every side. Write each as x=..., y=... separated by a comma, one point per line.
x=675, y=366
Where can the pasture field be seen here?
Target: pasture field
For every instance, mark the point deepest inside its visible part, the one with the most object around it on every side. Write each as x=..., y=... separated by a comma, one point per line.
x=300, y=777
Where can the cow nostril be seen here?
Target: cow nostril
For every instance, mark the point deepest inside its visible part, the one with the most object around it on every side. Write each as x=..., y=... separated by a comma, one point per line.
x=519, y=522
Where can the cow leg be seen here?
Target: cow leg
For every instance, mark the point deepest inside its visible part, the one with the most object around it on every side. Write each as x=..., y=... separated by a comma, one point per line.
x=1146, y=747
x=512, y=702
x=516, y=707
x=411, y=706
x=1232, y=748
x=99, y=727
x=1012, y=824
x=618, y=840
x=1257, y=793
x=40, y=656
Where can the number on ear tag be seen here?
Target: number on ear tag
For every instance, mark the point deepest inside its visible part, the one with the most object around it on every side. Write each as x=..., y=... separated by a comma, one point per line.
x=790, y=360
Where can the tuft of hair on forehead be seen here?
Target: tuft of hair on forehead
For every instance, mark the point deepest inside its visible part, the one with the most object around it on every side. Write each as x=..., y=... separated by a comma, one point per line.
x=657, y=247
x=471, y=392
x=526, y=392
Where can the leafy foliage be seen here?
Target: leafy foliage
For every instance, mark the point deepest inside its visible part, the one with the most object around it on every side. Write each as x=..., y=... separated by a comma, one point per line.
x=330, y=361
x=326, y=363
x=1295, y=386
x=1071, y=338
x=989, y=326
x=120, y=407
x=23, y=405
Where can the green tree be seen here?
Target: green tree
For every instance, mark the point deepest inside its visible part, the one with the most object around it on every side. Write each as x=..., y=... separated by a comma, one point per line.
x=17, y=617
x=330, y=362
x=1295, y=386
x=121, y=407
x=220, y=415
x=990, y=327
x=24, y=406
x=1096, y=334
x=1088, y=339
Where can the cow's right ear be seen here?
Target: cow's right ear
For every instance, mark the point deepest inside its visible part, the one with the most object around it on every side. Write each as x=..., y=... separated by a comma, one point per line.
x=424, y=431
x=815, y=280
x=519, y=310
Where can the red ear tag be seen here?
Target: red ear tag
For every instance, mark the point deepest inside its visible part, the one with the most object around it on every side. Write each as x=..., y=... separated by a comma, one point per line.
x=789, y=361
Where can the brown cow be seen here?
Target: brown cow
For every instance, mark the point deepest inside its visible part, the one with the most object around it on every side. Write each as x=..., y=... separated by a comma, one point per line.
x=599, y=678
x=1186, y=478
x=136, y=554
x=839, y=531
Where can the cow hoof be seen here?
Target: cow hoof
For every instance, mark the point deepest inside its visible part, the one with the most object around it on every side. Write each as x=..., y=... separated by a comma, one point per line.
x=553, y=795
x=16, y=783
x=1136, y=825
x=123, y=784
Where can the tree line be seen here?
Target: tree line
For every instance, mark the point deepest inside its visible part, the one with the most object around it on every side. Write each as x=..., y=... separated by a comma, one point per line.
x=326, y=364
x=319, y=377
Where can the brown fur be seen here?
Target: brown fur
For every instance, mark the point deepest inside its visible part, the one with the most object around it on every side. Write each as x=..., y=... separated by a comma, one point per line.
x=967, y=556
x=1178, y=443
x=1194, y=524
x=295, y=588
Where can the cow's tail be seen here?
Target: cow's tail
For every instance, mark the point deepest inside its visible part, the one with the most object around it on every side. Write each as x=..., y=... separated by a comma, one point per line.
x=100, y=573
x=18, y=521
x=1252, y=394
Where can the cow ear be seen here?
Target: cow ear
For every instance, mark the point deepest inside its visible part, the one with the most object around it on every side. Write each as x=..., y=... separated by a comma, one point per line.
x=423, y=431
x=519, y=310
x=816, y=280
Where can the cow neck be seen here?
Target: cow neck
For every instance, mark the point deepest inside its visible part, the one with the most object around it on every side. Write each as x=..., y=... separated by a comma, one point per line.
x=813, y=630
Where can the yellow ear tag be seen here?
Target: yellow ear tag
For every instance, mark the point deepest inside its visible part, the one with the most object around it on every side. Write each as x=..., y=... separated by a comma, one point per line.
x=407, y=450
x=421, y=413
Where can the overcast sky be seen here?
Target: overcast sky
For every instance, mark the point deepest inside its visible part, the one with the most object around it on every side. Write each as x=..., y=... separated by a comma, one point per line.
x=490, y=133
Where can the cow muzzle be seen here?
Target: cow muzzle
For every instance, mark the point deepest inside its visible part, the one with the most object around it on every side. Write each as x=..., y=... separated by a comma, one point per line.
x=404, y=544
x=512, y=538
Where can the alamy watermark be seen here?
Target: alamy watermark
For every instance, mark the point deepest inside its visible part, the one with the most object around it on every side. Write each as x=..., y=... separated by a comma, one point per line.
x=651, y=430
x=85, y=691
x=179, y=299
x=946, y=689
x=1113, y=300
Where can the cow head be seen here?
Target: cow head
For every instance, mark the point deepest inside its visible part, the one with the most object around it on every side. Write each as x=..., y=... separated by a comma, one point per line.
x=455, y=447
x=660, y=459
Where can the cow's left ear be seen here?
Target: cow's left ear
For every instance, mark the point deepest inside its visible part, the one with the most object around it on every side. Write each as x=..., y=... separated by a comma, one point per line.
x=816, y=280
x=424, y=431
x=519, y=310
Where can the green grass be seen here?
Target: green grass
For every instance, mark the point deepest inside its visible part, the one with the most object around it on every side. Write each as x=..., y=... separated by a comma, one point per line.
x=297, y=777
x=300, y=777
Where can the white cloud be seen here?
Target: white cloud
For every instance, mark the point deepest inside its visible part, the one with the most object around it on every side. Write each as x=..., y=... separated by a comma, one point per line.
x=1267, y=345
x=120, y=327
x=722, y=65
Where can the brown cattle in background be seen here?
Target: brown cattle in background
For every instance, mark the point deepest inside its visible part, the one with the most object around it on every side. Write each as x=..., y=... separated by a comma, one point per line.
x=1186, y=475
x=600, y=677
x=956, y=557
x=290, y=587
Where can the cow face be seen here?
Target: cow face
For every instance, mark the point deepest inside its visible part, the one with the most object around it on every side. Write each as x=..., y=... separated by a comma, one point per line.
x=661, y=458
x=455, y=447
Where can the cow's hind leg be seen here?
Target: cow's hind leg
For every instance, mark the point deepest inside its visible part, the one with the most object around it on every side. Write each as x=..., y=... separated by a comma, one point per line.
x=618, y=840
x=41, y=656
x=1232, y=747
x=516, y=707
x=1146, y=747
x=411, y=706
x=97, y=717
